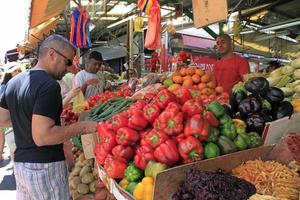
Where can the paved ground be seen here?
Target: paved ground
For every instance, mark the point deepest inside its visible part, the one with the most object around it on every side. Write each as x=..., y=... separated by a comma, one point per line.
x=7, y=180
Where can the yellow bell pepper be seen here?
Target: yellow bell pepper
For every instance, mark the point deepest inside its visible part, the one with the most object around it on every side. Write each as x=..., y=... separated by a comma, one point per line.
x=238, y=123
x=144, y=189
x=297, y=109
x=124, y=183
x=296, y=102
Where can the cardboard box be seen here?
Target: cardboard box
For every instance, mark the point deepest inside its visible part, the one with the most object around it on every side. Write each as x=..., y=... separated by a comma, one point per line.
x=275, y=130
x=167, y=182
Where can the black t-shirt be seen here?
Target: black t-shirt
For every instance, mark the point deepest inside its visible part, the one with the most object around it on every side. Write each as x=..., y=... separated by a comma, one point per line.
x=33, y=92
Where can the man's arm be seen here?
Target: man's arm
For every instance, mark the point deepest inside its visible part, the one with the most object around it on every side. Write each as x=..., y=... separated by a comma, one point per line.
x=45, y=132
x=4, y=118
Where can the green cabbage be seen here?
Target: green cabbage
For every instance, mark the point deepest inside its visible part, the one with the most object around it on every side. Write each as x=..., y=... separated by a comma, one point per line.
x=276, y=73
x=296, y=74
x=287, y=91
x=296, y=63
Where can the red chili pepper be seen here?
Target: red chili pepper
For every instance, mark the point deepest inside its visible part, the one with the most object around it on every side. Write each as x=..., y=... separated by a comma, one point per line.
x=151, y=112
x=154, y=138
x=192, y=107
x=167, y=153
x=100, y=153
x=173, y=107
x=142, y=156
x=126, y=152
x=127, y=136
x=119, y=121
x=194, y=125
x=190, y=149
x=171, y=123
x=164, y=97
x=212, y=119
x=182, y=94
x=136, y=120
x=115, y=167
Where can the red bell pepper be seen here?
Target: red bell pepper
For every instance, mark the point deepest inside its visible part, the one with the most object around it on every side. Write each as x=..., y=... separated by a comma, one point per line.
x=164, y=97
x=180, y=137
x=115, y=166
x=127, y=136
x=173, y=107
x=151, y=112
x=142, y=156
x=126, y=152
x=119, y=121
x=196, y=94
x=149, y=96
x=194, y=125
x=100, y=153
x=212, y=119
x=156, y=124
x=139, y=105
x=136, y=120
x=183, y=95
x=155, y=137
x=190, y=149
x=205, y=130
x=171, y=123
x=108, y=140
x=192, y=107
x=167, y=153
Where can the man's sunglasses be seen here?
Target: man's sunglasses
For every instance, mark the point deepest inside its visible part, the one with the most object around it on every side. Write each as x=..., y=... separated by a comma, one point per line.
x=69, y=62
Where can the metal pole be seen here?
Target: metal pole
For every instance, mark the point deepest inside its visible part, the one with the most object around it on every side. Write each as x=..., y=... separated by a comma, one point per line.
x=130, y=42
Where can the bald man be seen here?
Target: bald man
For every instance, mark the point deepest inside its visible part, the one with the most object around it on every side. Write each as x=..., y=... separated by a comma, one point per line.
x=230, y=68
x=32, y=104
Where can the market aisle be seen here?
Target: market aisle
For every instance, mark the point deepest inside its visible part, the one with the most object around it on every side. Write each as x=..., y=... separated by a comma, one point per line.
x=7, y=180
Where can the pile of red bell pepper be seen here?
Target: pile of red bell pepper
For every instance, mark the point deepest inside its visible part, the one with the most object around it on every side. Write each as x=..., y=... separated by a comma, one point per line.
x=169, y=129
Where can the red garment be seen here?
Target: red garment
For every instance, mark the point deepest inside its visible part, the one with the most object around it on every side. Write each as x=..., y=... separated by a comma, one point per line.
x=230, y=71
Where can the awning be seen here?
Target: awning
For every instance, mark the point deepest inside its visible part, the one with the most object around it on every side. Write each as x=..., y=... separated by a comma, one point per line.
x=41, y=11
x=197, y=42
x=111, y=52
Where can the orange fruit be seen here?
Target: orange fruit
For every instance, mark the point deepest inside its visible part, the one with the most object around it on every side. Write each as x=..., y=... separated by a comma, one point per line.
x=190, y=71
x=205, y=78
x=176, y=74
x=174, y=87
x=200, y=72
x=219, y=89
x=211, y=85
x=206, y=91
x=177, y=79
x=187, y=82
x=201, y=86
x=183, y=71
x=196, y=78
x=187, y=77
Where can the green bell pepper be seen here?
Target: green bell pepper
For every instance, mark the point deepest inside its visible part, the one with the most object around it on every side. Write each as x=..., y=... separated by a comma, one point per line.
x=229, y=131
x=226, y=145
x=213, y=135
x=131, y=186
x=216, y=108
x=241, y=142
x=133, y=173
x=254, y=139
x=211, y=150
x=154, y=168
x=225, y=119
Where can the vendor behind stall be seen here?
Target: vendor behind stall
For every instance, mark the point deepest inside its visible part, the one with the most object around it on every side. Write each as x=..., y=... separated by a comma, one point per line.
x=230, y=68
x=90, y=81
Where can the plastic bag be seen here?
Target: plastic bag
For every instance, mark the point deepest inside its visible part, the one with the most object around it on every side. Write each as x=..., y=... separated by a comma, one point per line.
x=79, y=103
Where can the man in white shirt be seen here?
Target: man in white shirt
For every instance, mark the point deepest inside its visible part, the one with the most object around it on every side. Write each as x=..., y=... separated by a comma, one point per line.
x=89, y=80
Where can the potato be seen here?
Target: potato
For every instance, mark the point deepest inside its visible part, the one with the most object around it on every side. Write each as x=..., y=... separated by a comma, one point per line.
x=75, y=195
x=90, y=162
x=76, y=170
x=81, y=157
x=74, y=182
x=92, y=186
x=83, y=188
x=85, y=170
x=95, y=172
x=87, y=178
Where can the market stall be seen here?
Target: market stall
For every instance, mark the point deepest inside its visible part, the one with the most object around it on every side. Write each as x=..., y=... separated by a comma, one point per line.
x=168, y=131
